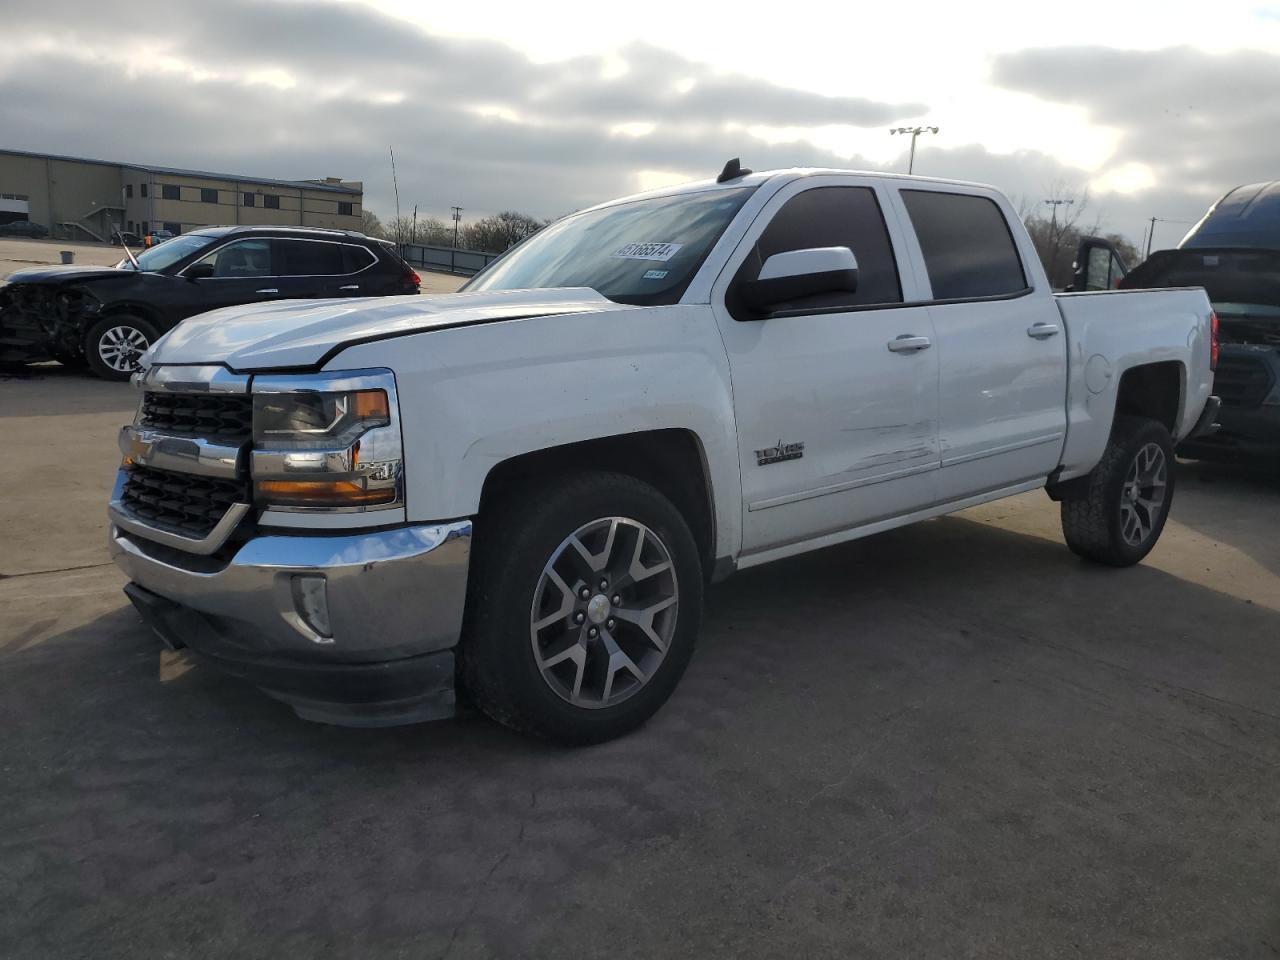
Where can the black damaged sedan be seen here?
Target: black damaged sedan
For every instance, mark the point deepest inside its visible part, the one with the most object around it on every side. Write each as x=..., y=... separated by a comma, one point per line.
x=105, y=317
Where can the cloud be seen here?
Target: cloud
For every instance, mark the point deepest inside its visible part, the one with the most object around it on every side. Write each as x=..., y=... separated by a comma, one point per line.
x=1202, y=122
x=310, y=88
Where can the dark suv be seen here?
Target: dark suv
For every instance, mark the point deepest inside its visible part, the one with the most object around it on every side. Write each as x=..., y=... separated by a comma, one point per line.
x=106, y=317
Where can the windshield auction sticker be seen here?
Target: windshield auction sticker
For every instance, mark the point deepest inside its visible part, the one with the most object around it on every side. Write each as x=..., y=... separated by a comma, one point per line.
x=661, y=252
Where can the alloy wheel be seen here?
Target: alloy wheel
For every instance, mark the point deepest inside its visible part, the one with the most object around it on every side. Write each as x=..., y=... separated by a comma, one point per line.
x=604, y=612
x=1142, y=496
x=120, y=347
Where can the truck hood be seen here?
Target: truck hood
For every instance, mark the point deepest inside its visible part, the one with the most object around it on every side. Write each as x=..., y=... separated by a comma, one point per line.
x=305, y=333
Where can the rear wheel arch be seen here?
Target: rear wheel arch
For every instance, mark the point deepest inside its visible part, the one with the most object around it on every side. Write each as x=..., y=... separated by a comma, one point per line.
x=1154, y=391
x=671, y=460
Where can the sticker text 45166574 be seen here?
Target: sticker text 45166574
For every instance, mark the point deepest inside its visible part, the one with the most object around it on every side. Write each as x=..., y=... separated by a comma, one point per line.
x=662, y=252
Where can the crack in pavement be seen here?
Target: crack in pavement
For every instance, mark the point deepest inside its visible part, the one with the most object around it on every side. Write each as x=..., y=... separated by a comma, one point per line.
x=37, y=573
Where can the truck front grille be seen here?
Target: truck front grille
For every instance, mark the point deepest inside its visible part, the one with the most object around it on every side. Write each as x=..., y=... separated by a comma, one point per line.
x=1241, y=380
x=180, y=502
x=226, y=418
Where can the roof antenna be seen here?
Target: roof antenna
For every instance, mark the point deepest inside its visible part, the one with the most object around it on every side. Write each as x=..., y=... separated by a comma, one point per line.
x=732, y=171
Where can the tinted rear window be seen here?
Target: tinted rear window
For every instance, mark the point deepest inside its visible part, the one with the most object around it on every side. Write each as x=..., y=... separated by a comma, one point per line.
x=968, y=249
x=307, y=258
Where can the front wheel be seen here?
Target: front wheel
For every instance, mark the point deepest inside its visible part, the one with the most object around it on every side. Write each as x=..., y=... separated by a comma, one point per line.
x=113, y=345
x=1123, y=510
x=585, y=601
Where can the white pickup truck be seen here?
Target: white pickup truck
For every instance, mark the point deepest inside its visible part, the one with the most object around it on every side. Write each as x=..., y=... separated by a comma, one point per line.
x=519, y=491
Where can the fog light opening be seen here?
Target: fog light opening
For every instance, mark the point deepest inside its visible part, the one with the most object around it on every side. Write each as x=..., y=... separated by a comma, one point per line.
x=311, y=601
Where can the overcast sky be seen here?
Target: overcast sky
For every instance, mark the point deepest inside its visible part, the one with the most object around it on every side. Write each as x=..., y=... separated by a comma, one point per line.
x=1154, y=108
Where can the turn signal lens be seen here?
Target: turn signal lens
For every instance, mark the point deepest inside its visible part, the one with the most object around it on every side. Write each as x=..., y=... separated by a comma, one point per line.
x=1213, y=340
x=321, y=493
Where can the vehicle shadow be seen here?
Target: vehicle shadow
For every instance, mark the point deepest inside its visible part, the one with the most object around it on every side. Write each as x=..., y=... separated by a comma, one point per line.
x=50, y=389
x=1235, y=503
x=951, y=721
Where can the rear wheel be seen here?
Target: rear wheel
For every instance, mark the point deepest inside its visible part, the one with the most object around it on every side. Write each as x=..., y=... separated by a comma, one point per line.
x=584, y=607
x=114, y=344
x=1123, y=510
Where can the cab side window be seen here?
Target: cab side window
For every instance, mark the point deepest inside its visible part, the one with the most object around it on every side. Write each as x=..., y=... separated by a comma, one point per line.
x=968, y=249
x=241, y=258
x=832, y=217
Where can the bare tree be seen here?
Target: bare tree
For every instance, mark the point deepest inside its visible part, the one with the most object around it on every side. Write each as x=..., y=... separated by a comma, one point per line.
x=501, y=231
x=430, y=231
x=370, y=225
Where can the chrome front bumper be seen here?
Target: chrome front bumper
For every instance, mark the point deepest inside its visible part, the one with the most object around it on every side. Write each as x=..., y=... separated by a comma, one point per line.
x=389, y=594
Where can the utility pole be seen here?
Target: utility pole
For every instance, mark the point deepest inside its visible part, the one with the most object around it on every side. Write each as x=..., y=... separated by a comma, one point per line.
x=915, y=132
x=1151, y=232
x=413, y=236
x=457, y=219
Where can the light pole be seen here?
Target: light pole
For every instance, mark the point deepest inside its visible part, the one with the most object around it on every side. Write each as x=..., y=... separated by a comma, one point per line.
x=1053, y=219
x=915, y=132
x=457, y=219
x=1054, y=239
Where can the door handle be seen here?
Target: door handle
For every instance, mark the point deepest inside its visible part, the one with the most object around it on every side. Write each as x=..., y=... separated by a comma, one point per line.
x=268, y=290
x=1042, y=331
x=907, y=343
x=350, y=286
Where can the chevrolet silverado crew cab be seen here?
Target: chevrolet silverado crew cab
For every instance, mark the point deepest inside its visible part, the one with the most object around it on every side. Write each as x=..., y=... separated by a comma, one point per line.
x=520, y=491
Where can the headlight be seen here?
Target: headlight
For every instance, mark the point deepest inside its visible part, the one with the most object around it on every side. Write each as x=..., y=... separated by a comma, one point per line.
x=317, y=419
x=329, y=442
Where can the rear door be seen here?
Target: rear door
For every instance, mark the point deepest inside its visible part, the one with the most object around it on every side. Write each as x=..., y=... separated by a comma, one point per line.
x=308, y=269
x=837, y=423
x=1002, y=353
x=360, y=277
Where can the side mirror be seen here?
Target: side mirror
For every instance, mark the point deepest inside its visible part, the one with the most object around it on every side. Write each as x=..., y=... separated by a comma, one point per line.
x=796, y=274
x=199, y=271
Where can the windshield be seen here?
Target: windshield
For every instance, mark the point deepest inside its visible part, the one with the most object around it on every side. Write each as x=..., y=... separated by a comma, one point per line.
x=644, y=252
x=170, y=252
x=1238, y=282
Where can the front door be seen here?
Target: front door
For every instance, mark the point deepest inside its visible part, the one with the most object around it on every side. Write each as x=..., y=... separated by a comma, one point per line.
x=836, y=396
x=242, y=273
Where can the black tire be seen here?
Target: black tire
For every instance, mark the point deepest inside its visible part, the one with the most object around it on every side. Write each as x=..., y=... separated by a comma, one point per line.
x=1099, y=524
x=109, y=332
x=514, y=542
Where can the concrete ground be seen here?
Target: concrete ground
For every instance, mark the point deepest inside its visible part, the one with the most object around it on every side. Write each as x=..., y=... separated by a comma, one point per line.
x=950, y=740
x=18, y=255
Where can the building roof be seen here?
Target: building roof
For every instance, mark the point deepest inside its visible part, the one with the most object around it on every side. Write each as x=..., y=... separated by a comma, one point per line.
x=179, y=172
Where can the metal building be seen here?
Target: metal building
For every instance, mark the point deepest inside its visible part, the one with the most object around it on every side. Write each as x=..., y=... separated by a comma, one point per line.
x=79, y=199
